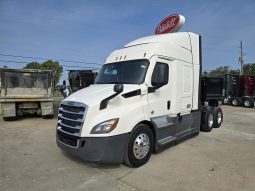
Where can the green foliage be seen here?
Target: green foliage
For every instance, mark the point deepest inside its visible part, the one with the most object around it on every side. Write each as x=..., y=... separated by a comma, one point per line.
x=32, y=65
x=205, y=74
x=234, y=71
x=249, y=69
x=54, y=66
x=220, y=70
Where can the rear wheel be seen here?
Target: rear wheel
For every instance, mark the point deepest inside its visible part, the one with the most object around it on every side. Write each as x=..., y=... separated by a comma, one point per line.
x=9, y=118
x=217, y=117
x=6, y=118
x=207, y=121
x=235, y=102
x=248, y=103
x=140, y=146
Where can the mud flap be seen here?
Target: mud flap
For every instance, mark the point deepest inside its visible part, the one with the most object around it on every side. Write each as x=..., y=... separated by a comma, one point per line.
x=9, y=109
x=47, y=108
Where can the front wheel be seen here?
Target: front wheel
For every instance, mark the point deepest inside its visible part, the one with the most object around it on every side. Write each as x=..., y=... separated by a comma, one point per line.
x=140, y=146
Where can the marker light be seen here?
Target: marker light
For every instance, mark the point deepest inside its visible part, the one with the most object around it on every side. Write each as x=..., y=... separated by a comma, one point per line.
x=144, y=54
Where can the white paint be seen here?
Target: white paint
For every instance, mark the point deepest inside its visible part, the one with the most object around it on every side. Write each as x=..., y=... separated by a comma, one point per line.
x=175, y=49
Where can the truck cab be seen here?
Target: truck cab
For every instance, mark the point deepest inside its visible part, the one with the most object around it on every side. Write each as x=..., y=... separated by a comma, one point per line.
x=146, y=96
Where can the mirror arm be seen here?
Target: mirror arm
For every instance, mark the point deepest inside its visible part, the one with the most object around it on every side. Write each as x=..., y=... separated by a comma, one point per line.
x=154, y=88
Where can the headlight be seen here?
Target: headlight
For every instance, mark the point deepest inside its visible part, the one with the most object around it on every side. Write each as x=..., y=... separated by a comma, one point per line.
x=105, y=127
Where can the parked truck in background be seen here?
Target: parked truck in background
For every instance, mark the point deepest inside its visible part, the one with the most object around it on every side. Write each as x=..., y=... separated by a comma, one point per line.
x=239, y=90
x=26, y=91
x=77, y=79
x=147, y=95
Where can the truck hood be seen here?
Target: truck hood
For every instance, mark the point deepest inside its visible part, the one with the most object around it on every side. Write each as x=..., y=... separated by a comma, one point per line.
x=94, y=94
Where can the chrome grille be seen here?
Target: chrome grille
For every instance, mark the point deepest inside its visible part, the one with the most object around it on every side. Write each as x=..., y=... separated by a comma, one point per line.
x=71, y=117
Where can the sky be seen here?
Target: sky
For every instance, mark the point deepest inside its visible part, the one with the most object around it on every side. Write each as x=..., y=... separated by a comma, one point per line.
x=86, y=32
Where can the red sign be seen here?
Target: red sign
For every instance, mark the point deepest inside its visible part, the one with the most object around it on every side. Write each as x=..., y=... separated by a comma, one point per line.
x=170, y=24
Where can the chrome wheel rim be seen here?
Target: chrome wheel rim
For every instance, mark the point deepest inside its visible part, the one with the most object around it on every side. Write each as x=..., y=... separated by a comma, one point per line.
x=247, y=103
x=234, y=102
x=219, y=118
x=141, y=146
x=210, y=120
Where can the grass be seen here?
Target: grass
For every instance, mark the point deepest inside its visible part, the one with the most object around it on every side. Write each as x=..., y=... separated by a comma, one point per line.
x=56, y=101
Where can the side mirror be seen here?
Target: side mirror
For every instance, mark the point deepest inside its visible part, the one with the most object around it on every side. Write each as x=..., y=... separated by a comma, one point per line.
x=118, y=88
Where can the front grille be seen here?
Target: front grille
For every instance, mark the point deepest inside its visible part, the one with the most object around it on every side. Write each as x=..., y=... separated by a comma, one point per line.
x=68, y=122
x=72, y=108
x=67, y=140
x=70, y=130
x=71, y=115
x=71, y=118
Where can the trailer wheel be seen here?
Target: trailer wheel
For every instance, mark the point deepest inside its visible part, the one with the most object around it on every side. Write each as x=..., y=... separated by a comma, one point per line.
x=207, y=121
x=235, y=102
x=217, y=117
x=140, y=146
x=248, y=103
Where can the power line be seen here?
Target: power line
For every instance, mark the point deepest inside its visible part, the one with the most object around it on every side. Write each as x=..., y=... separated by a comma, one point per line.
x=13, y=61
x=68, y=66
x=40, y=58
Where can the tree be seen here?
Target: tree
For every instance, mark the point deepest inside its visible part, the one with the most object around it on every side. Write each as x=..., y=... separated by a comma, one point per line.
x=234, y=71
x=54, y=66
x=32, y=65
x=249, y=69
x=220, y=70
x=205, y=74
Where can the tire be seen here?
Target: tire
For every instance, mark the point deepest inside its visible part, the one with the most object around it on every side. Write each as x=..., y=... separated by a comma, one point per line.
x=9, y=118
x=217, y=117
x=235, y=102
x=143, y=135
x=47, y=116
x=248, y=103
x=6, y=118
x=207, y=121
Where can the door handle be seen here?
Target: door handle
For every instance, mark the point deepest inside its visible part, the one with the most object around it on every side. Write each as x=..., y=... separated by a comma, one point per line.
x=168, y=104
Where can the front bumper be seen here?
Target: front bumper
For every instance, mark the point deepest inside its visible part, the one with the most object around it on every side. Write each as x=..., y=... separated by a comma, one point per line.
x=96, y=149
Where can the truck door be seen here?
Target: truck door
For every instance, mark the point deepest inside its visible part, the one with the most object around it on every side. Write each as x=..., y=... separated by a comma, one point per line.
x=159, y=99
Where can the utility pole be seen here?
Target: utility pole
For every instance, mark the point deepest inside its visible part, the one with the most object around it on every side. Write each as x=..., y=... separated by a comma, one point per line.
x=241, y=60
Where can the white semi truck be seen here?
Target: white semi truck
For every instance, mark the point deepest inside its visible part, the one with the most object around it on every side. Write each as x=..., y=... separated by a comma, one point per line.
x=146, y=96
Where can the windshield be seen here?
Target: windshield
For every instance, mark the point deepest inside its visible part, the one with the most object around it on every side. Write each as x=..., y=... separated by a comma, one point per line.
x=126, y=72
